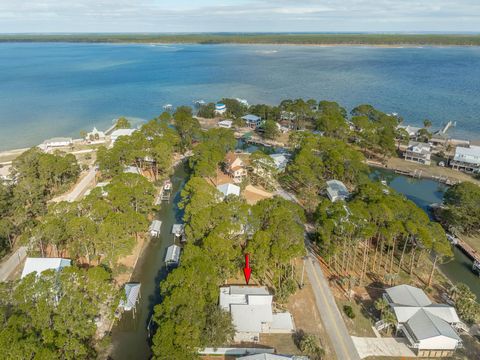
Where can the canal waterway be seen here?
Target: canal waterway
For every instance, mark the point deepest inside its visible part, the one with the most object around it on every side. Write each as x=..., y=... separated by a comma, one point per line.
x=424, y=192
x=129, y=335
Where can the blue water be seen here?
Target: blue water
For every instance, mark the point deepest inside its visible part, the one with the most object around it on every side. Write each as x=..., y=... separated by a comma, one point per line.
x=59, y=89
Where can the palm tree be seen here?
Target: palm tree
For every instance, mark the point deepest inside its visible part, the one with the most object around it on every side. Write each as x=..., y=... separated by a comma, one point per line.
x=309, y=346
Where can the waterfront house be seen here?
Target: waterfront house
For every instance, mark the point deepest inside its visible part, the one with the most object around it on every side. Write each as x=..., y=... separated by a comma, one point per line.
x=172, y=257
x=220, y=108
x=226, y=124
x=429, y=328
x=95, y=136
x=121, y=132
x=418, y=152
x=57, y=142
x=235, y=167
x=252, y=121
x=412, y=131
x=336, y=190
x=229, y=189
x=155, y=227
x=40, y=265
x=467, y=159
x=252, y=312
x=281, y=161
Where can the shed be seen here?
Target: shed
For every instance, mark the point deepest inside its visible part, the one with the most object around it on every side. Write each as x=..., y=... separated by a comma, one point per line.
x=172, y=258
x=155, y=227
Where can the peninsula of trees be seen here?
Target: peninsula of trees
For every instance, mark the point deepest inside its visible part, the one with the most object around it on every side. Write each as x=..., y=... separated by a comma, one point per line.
x=257, y=38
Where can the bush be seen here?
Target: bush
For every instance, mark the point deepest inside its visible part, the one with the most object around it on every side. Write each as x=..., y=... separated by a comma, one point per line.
x=349, y=311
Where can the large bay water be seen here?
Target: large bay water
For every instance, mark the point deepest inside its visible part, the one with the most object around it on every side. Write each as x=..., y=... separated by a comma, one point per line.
x=59, y=89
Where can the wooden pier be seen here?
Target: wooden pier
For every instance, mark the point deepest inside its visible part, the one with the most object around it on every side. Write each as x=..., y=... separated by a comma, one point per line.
x=471, y=253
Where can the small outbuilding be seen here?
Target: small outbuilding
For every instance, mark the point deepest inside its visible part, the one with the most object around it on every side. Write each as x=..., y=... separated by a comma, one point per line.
x=95, y=136
x=155, y=227
x=121, y=132
x=172, y=258
x=336, y=190
x=57, y=142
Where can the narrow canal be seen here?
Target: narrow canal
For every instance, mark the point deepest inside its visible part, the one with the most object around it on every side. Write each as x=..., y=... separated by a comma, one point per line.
x=423, y=193
x=129, y=336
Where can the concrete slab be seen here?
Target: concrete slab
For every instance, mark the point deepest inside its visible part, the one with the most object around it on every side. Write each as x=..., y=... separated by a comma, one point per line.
x=395, y=347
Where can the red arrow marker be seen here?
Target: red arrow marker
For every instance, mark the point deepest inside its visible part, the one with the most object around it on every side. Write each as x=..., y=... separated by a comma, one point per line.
x=247, y=271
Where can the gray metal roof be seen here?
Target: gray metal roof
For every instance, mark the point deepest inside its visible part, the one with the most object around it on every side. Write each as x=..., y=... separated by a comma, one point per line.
x=425, y=325
x=408, y=295
x=268, y=357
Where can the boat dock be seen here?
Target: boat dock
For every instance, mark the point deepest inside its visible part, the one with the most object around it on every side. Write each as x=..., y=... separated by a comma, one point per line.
x=165, y=193
x=471, y=253
x=418, y=174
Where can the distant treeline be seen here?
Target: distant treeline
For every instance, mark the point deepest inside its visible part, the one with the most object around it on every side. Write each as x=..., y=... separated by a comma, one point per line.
x=252, y=38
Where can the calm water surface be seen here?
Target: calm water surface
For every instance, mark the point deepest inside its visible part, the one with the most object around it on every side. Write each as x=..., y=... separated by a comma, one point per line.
x=59, y=89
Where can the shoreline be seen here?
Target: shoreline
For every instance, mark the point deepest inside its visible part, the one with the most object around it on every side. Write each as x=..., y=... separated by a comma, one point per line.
x=241, y=43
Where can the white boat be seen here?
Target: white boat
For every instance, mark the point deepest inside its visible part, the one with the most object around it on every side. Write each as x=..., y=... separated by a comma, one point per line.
x=167, y=185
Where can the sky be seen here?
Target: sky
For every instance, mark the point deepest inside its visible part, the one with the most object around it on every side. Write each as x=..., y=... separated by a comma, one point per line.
x=162, y=16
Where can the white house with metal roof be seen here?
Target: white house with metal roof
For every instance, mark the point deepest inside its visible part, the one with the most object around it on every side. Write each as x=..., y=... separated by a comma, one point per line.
x=56, y=142
x=430, y=328
x=252, y=313
x=418, y=152
x=40, y=265
x=336, y=190
x=229, y=189
x=411, y=130
x=121, y=132
x=466, y=159
x=281, y=161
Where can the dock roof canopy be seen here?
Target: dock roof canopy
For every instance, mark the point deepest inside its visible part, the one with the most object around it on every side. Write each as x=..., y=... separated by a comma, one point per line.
x=173, y=255
x=155, y=225
x=132, y=292
x=40, y=265
x=178, y=229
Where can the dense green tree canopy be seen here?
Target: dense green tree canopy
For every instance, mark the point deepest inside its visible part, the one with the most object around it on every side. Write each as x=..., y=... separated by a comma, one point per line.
x=462, y=214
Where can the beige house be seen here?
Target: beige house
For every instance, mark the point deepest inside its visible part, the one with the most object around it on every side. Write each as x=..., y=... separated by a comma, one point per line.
x=235, y=167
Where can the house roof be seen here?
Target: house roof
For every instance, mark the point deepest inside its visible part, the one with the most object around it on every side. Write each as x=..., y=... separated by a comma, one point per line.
x=251, y=118
x=336, y=188
x=419, y=147
x=470, y=154
x=249, y=318
x=408, y=295
x=58, y=139
x=122, y=132
x=411, y=130
x=132, y=170
x=228, y=189
x=40, y=265
x=425, y=325
x=132, y=291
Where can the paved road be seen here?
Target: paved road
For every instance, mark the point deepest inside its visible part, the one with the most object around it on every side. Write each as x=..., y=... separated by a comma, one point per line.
x=331, y=317
x=8, y=266
x=79, y=189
